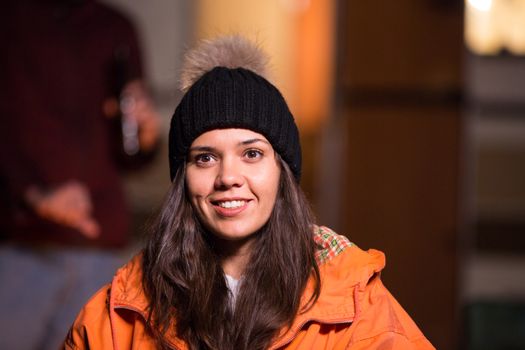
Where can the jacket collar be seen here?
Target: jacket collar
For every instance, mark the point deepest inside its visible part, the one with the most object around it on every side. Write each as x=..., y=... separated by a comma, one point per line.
x=344, y=276
x=127, y=293
x=343, y=281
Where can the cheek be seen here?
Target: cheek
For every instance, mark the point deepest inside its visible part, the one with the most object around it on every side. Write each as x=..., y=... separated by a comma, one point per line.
x=268, y=185
x=196, y=186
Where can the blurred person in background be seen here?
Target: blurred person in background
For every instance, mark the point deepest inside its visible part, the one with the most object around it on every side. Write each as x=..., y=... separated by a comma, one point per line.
x=63, y=217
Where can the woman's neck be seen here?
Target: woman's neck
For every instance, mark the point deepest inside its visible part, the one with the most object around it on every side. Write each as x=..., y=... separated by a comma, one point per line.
x=234, y=256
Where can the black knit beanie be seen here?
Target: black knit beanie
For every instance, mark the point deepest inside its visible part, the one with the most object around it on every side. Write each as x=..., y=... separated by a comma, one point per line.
x=234, y=98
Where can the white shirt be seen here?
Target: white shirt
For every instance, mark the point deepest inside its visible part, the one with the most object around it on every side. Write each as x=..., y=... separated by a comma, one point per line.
x=233, y=286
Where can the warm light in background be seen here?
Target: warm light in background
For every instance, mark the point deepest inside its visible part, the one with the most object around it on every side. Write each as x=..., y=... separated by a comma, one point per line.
x=492, y=25
x=296, y=5
x=314, y=62
x=481, y=5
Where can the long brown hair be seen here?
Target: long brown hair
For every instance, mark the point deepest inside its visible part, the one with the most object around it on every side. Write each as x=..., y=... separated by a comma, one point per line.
x=186, y=286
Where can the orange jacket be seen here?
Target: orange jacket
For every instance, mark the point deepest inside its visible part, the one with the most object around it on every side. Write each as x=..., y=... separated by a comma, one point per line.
x=354, y=311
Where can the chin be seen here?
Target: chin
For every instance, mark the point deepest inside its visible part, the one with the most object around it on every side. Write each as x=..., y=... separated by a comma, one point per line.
x=234, y=233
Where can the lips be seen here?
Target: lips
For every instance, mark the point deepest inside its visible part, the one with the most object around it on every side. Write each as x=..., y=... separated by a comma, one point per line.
x=230, y=207
x=231, y=204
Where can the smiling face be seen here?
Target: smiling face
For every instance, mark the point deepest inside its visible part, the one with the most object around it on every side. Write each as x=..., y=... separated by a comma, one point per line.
x=232, y=179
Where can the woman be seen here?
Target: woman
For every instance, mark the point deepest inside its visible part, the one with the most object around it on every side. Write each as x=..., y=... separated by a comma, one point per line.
x=235, y=260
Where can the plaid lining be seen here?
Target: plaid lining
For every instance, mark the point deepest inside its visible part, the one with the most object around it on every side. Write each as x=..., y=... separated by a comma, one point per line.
x=329, y=244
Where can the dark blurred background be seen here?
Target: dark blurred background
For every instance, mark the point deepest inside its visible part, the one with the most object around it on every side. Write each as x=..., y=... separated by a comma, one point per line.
x=412, y=116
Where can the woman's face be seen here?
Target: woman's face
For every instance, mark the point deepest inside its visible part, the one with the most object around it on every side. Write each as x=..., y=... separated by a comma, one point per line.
x=232, y=179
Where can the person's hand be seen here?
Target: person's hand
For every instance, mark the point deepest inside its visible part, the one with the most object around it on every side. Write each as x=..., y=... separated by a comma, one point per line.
x=69, y=205
x=143, y=112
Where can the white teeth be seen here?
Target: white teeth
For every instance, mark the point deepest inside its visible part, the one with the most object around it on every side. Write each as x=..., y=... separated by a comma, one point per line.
x=231, y=204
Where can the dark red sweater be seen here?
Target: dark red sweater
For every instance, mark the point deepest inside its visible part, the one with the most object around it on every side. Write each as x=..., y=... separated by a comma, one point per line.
x=55, y=72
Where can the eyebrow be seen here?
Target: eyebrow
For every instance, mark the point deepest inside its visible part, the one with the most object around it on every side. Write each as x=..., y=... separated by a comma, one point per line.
x=202, y=149
x=213, y=149
x=251, y=141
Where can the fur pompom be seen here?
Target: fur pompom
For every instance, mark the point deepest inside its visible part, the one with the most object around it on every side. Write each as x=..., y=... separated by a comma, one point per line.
x=231, y=51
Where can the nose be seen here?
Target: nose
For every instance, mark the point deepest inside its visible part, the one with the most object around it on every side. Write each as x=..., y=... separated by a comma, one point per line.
x=230, y=174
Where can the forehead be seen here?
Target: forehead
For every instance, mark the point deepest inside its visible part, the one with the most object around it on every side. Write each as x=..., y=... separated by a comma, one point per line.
x=230, y=136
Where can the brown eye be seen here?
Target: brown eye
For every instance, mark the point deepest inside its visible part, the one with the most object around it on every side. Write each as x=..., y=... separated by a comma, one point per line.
x=204, y=158
x=253, y=154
